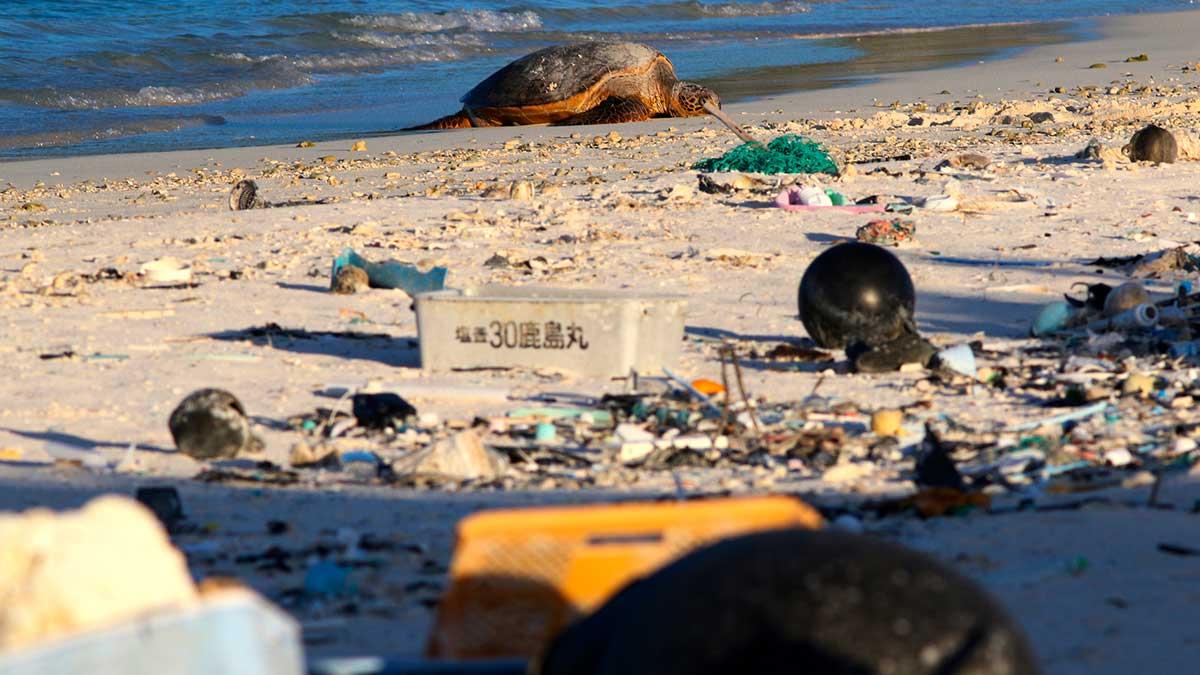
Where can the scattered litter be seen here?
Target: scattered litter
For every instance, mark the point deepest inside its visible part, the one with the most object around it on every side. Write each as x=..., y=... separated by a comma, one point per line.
x=892, y=232
x=814, y=199
x=969, y=160
x=463, y=456
x=166, y=271
x=349, y=280
x=407, y=278
x=938, y=203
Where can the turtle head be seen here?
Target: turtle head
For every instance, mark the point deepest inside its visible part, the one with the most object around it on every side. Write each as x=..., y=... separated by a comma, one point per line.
x=688, y=99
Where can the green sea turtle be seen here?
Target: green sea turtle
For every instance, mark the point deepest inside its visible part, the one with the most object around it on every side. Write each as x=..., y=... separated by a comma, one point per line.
x=585, y=83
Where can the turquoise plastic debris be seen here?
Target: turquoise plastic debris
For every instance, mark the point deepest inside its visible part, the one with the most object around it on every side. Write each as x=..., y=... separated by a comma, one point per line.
x=1052, y=318
x=545, y=432
x=392, y=274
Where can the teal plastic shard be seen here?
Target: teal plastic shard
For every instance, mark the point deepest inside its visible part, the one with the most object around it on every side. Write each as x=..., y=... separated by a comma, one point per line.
x=393, y=274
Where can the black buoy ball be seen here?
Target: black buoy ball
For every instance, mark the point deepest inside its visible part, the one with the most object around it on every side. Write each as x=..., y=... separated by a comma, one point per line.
x=210, y=424
x=856, y=293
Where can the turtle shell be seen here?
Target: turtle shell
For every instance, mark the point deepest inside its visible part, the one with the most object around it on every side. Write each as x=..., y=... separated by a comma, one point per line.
x=558, y=73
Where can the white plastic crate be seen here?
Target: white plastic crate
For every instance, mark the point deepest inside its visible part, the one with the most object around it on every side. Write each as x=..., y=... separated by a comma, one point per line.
x=587, y=332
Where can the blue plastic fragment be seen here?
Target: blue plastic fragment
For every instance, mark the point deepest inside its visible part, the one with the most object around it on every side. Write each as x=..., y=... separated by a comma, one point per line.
x=1075, y=415
x=393, y=274
x=327, y=578
x=1182, y=349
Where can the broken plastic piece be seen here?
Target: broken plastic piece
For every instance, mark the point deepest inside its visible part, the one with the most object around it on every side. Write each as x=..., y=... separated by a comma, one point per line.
x=392, y=274
x=598, y=417
x=959, y=359
x=380, y=411
x=1073, y=416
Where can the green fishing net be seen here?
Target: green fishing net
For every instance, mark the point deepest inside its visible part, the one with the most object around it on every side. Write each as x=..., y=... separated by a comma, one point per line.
x=787, y=154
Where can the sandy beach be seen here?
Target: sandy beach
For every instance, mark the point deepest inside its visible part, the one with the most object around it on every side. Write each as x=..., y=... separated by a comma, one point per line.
x=97, y=360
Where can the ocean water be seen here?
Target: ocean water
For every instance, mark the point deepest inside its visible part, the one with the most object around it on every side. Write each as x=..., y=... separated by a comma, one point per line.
x=87, y=76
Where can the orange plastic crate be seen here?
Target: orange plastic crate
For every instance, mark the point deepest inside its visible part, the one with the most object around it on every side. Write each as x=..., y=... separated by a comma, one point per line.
x=521, y=575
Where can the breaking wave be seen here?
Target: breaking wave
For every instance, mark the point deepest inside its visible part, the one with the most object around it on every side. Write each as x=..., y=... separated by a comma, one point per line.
x=481, y=20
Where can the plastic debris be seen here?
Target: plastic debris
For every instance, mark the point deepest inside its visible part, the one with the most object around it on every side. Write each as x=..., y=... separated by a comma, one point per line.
x=794, y=199
x=786, y=154
x=166, y=271
x=938, y=203
x=886, y=422
x=463, y=456
x=392, y=274
x=959, y=359
x=545, y=432
x=382, y=411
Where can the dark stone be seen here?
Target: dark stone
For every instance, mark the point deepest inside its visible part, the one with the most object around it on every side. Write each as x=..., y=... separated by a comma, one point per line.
x=1152, y=144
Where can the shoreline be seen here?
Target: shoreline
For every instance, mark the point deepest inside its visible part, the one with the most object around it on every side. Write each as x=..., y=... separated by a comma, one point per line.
x=879, y=53
x=834, y=100
x=98, y=357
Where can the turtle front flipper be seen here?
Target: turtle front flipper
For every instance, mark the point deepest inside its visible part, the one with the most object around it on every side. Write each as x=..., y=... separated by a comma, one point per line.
x=459, y=120
x=612, y=110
